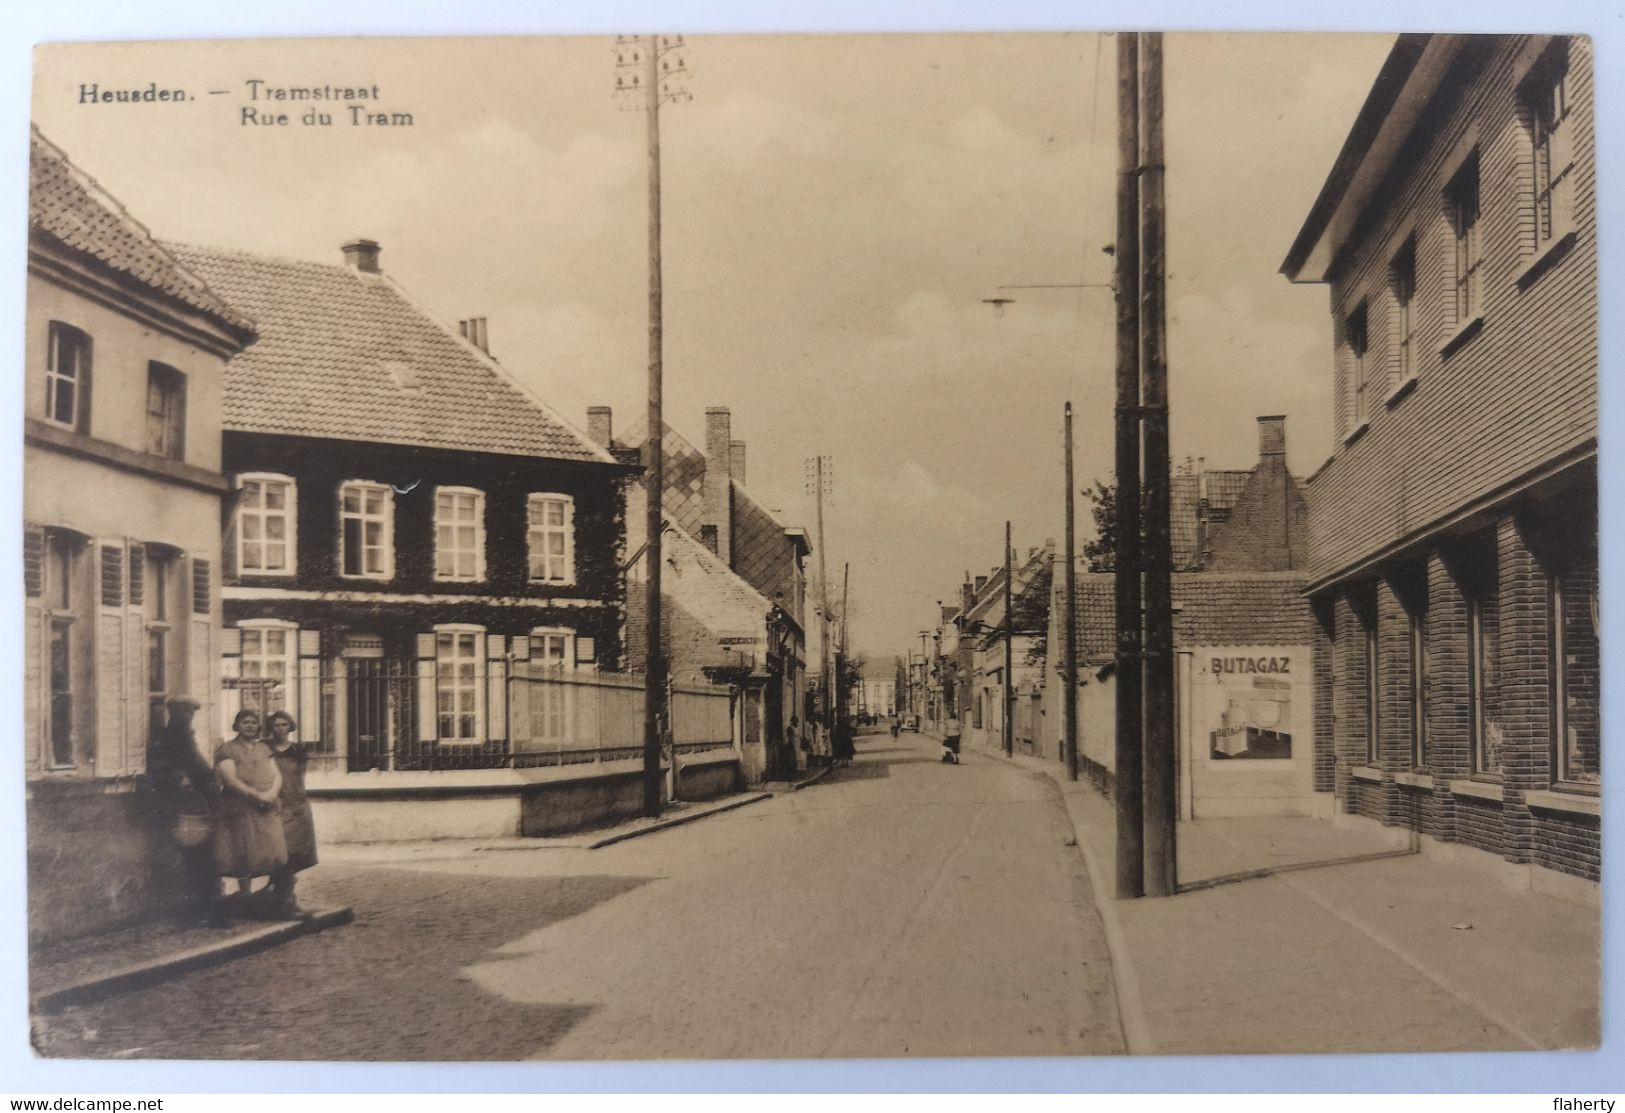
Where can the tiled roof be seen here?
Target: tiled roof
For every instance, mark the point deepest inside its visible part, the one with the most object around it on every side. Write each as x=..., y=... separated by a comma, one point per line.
x=759, y=550
x=66, y=204
x=1213, y=609
x=350, y=356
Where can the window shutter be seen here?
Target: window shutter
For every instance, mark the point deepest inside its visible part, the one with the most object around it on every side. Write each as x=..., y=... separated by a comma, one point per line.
x=33, y=560
x=309, y=706
x=112, y=566
x=228, y=544
x=496, y=688
x=109, y=675
x=36, y=674
x=201, y=586
x=138, y=573
x=231, y=668
x=428, y=719
x=586, y=650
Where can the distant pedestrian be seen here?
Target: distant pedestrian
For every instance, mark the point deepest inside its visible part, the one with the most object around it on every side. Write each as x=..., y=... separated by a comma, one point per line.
x=896, y=725
x=298, y=824
x=248, y=842
x=186, y=802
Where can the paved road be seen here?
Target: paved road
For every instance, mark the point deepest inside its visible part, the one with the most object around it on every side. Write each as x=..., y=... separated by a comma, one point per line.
x=901, y=907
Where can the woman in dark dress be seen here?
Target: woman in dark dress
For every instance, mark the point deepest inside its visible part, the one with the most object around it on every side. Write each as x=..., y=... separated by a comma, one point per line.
x=298, y=825
x=248, y=843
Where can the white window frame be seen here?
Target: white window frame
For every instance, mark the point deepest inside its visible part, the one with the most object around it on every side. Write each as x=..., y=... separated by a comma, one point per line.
x=552, y=705
x=287, y=696
x=290, y=531
x=444, y=682
x=385, y=518
x=69, y=604
x=80, y=379
x=477, y=573
x=536, y=505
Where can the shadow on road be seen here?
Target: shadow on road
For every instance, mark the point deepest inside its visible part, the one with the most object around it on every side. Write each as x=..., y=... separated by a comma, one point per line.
x=388, y=987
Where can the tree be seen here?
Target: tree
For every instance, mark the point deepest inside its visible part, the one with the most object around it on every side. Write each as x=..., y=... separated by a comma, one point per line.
x=1101, y=550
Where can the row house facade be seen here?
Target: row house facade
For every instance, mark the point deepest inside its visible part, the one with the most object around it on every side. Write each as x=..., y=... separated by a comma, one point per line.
x=1453, y=532
x=734, y=590
x=411, y=533
x=123, y=490
x=972, y=661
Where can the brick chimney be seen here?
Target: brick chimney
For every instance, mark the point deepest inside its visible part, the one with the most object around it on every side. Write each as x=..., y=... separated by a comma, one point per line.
x=601, y=425
x=362, y=255
x=967, y=595
x=981, y=582
x=474, y=332
x=716, y=490
x=1271, y=436
x=736, y=460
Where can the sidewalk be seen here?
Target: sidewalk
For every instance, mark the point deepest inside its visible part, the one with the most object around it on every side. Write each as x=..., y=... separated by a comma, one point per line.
x=1299, y=936
x=81, y=970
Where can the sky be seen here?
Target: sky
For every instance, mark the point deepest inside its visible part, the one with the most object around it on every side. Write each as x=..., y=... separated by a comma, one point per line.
x=835, y=210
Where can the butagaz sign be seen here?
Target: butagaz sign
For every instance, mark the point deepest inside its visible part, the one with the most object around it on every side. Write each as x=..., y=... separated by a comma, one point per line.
x=1247, y=712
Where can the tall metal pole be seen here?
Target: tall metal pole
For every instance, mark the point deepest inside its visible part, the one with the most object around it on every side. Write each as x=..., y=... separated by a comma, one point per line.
x=1070, y=745
x=841, y=657
x=1130, y=832
x=1009, y=639
x=1161, y=776
x=654, y=699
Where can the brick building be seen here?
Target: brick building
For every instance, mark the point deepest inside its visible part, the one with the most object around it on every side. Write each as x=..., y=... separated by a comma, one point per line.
x=125, y=352
x=1452, y=534
x=734, y=589
x=412, y=531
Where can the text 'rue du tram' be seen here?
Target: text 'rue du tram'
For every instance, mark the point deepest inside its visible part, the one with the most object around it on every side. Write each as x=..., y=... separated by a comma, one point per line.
x=351, y=105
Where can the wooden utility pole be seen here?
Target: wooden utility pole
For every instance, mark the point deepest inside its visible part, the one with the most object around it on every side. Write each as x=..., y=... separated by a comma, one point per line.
x=827, y=710
x=1009, y=639
x=840, y=658
x=1130, y=824
x=654, y=692
x=1070, y=629
x=1161, y=776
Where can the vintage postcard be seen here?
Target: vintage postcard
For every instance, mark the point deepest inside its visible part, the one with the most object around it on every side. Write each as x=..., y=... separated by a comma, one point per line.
x=812, y=547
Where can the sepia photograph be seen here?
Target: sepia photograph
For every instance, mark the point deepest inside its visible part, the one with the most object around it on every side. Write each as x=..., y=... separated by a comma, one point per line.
x=737, y=547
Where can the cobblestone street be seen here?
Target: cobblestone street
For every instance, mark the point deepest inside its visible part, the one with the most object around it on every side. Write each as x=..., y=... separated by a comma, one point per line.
x=902, y=907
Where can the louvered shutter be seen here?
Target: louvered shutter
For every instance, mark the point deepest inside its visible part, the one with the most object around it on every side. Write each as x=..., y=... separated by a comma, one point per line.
x=309, y=703
x=138, y=710
x=496, y=688
x=428, y=724
x=231, y=668
x=107, y=755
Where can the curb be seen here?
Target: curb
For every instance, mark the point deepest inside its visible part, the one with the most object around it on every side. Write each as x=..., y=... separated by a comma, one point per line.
x=1125, y=980
x=158, y=970
x=814, y=779
x=676, y=821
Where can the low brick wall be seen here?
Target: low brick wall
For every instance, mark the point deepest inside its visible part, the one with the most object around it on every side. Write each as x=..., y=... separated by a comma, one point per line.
x=707, y=776
x=499, y=803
